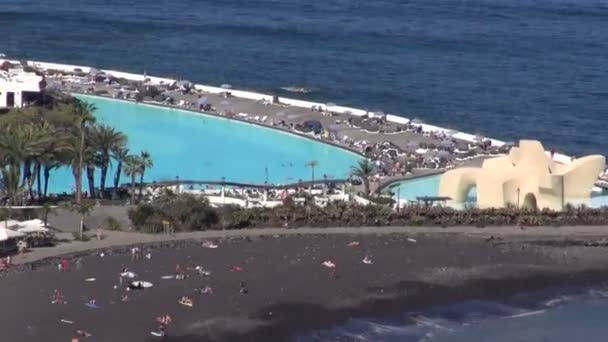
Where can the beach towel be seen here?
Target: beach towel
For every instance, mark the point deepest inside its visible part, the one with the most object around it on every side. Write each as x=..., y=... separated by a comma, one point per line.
x=92, y=305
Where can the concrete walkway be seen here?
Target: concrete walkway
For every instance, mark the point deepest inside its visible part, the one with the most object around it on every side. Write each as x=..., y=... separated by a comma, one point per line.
x=119, y=238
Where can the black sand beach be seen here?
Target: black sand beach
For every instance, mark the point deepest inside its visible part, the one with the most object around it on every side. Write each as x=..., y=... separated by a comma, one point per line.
x=289, y=291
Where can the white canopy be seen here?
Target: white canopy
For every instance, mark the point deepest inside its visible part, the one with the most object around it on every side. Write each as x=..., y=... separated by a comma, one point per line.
x=34, y=222
x=31, y=229
x=9, y=223
x=7, y=234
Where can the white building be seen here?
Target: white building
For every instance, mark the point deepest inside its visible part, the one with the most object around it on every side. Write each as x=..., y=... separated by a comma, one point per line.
x=18, y=87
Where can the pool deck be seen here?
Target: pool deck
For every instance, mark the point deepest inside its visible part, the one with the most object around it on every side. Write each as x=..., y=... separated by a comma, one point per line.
x=405, y=148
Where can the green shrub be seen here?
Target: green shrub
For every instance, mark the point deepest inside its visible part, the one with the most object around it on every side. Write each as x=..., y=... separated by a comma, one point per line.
x=112, y=223
x=141, y=214
x=186, y=213
x=77, y=237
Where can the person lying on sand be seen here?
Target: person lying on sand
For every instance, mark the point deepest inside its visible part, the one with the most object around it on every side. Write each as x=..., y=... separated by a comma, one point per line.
x=204, y=290
x=179, y=272
x=83, y=333
x=186, y=301
x=163, y=322
x=243, y=289
x=209, y=244
x=332, y=267
x=58, y=298
x=200, y=270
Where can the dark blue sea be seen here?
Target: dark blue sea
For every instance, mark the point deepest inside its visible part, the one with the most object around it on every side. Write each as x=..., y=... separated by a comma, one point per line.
x=508, y=69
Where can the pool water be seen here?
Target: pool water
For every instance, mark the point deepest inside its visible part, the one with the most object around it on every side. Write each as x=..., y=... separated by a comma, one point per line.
x=203, y=147
x=408, y=190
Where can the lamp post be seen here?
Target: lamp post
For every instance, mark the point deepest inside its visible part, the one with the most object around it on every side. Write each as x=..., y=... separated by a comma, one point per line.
x=177, y=182
x=223, y=191
x=563, y=194
x=518, y=198
x=398, y=199
x=266, y=175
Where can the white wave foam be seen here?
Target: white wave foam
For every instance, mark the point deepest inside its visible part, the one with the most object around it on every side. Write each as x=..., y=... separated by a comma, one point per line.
x=527, y=313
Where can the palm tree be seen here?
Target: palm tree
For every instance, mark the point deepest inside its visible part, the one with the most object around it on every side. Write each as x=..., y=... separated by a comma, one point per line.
x=145, y=160
x=17, y=144
x=120, y=154
x=41, y=137
x=132, y=169
x=106, y=139
x=90, y=160
x=312, y=164
x=52, y=157
x=83, y=114
x=363, y=171
x=83, y=208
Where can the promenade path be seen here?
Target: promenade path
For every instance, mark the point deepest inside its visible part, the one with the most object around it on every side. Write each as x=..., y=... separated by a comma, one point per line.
x=120, y=238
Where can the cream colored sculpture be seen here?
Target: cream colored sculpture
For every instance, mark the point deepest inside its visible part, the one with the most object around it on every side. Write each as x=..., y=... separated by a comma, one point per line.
x=527, y=177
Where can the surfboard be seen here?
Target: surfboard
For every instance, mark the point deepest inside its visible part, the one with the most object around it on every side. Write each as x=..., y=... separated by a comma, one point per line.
x=144, y=284
x=67, y=321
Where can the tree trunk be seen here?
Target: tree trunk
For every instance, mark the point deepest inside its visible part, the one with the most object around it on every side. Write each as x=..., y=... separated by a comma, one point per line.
x=47, y=175
x=31, y=180
x=75, y=174
x=141, y=185
x=80, y=166
x=91, y=180
x=102, y=180
x=38, y=172
x=26, y=171
x=133, y=189
x=81, y=225
x=116, y=180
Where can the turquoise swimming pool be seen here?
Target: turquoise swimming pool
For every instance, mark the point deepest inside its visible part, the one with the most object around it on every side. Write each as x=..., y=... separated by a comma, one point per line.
x=408, y=190
x=198, y=146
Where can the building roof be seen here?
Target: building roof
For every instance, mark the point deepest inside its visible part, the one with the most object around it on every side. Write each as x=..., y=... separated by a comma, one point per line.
x=19, y=80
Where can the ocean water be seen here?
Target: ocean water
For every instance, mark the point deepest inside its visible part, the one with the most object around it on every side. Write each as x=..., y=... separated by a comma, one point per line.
x=505, y=68
x=203, y=147
x=554, y=315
